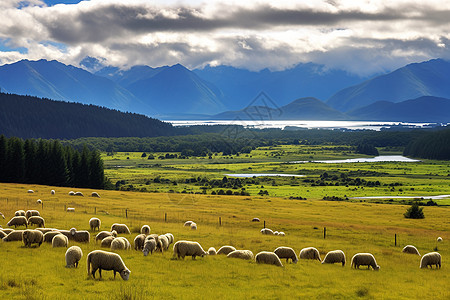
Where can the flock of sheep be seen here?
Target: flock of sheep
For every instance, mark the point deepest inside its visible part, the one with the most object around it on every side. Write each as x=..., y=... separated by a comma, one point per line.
x=149, y=243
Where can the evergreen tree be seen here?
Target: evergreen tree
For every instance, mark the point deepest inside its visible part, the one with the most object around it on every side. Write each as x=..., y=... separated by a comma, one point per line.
x=97, y=176
x=15, y=160
x=58, y=167
x=3, y=153
x=84, y=175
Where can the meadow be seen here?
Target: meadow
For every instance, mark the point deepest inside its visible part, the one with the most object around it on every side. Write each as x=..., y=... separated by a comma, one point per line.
x=39, y=273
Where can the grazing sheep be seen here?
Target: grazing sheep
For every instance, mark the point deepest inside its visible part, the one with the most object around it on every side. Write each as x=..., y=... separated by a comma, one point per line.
x=7, y=230
x=73, y=256
x=31, y=213
x=139, y=241
x=281, y=233
x=267, y=231
x=169, y=237
x=275, y=233
x=19, y=213
x=102, y=234
x=71, y=209
x=226, y=250
x=336, y=256
x=439, y=239
x=194, y=226
x=410, y=249
x=310, y=253
x=120, y=228
x=286, y=253
x=106, y=242
x=17, y=221
x=364, y=259
x=45, y=230
x=66, y=233
x=188, y=223
x=269, y=258
x=255, y=220
x=188, y=248
x=430, y=259
x=212, y=251
x=102, y=260
x=39, y=201
x=71, y=193
x=60, y=240
x=31, y=236
x=82, y=236
x=52, y=192
x=153, y=236
x=145, y=229
x=2, y=234
x=120, y=243
x=48, y=237
x=242, y=254
x=13, y=236
x=149, y=246
x=30, y=191
x=95, y=223
x=95, y=194
x=36, y=220
x=163, y=243
x=79, y=194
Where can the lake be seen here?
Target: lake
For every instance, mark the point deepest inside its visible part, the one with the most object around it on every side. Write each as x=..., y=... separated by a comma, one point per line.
x=383, y=158
x=263, y=175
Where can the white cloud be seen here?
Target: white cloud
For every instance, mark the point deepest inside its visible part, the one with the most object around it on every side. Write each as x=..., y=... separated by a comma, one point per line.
x=360, y=36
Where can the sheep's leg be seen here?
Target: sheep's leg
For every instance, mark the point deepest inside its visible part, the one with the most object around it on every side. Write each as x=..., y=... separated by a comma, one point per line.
x=100, y=272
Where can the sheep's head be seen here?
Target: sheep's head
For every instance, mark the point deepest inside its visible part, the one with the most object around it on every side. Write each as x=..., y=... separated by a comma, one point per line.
x=125, y=274
x=73, y=231
x=145, y=251
x=114, y=233
x=377, y=268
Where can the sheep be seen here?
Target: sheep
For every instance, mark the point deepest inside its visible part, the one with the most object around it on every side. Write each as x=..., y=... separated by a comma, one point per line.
x=106, y=242
x=31, y=236
x=212, y=251
x=120, y=228
x=31, y=213
x=38, y=201
x=2, y=234
x=95, y=194
x=255, y=220
x=145, y=229
x=287, y=253
x=95, y=223
x=36, y=220
x=102, y=234
x=188, y=248
x=336, y=256
x=82, y=236
x=275, y=233
x=60, y=240
x=149, y=246
x=163, y=243
x=120, y=243
x=13, y=236
x=52, y=192
x=194, y=226
x=79, y=194
x=66, y=233
x=139, y=241
x=242, y=254
x=48, y=237
x=310, y=253
x=19, y=213
x=169, y=237
x=281, y=233
x=71, y=209
x=364, y=259
x=153, y=236
x=410, y=249
x=71, y=193
x=430, y=259
x=226, y=250
x=439, y=239
x=269, y=258
x=45, y=230
x=17, y=221
x=103, y=260
x=188, y=223
x=267, y=231
x=2, y=215
x=30, y=191
x=73, y=256
x=7, y=230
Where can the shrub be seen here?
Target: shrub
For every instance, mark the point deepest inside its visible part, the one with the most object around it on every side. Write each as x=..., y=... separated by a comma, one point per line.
x=414, y=212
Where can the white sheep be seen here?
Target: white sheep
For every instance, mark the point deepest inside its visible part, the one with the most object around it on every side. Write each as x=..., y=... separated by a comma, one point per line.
x=73, y=256
x=269, y=258
x=71, y=193
x=120, y=228
x=106, y=242
x=60, y=240
x=20, y=212
x=66, y=233
x=439, y=239
x=145, y=229
x=149, y=246
x=255, y=220
x=225, y=250
x=430, y=259
x=82, y=236
x=336, y=256
x=410, y=249
x=36, y=220
x=281, y=233
x=120, y=243
x=188, y=223
x=194, y=226
x=30, y=236
x=45, y=230
x=18, y=221
x=102, y=234
x=79, y=194
x=30, y=191
x=286, y=253
x=275, y=233
x=212, y=251
x=48, y=236
x=310, y=253
x=52, y=192
x=267, y=231
x=364, y=259
x=13, y=236
x=31, y=213
x=170, y=237
x=95, y=223
x=242, y=254
x=163, y=243
x=139, y=241
x=188, y=248
x=102, y=260
x=95, y=194
x=38, y=201
x=71, y=209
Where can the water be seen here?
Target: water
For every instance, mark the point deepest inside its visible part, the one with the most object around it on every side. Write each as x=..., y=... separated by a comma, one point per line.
x=263, y=175
x=383, y=158
x=438, y=197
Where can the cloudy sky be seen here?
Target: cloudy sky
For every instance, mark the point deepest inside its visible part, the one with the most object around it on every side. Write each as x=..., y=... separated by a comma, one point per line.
x=363, y=37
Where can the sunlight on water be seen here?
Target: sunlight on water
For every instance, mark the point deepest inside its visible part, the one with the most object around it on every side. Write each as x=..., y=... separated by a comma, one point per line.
x=263, y=175
x=384, y=158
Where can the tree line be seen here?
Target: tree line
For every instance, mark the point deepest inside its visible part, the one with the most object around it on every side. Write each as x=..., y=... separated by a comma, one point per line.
x=49, y=163
x=435, y=145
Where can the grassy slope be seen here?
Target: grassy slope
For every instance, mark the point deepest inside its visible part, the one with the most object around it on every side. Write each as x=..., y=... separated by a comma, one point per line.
x=352, y=227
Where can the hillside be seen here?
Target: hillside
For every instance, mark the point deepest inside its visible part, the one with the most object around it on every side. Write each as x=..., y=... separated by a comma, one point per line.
x=32, y=117
x=430, y=78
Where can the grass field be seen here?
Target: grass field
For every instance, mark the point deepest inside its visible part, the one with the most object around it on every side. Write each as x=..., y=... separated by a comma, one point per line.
x=39, y=273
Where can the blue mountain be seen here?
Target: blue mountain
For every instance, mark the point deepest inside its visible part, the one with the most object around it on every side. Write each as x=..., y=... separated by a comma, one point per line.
x=430, y=78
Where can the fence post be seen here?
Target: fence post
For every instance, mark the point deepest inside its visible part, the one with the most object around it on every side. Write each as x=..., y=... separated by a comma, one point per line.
x=395, y=239
x=324, y=232
x=126, y=213
x=220, y=221
x=264, y=224
x=165, y=217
